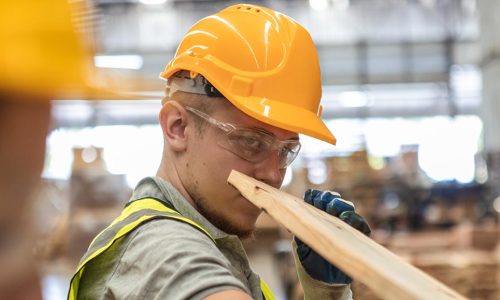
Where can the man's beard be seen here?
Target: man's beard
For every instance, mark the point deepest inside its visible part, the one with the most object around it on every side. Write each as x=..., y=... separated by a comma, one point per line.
x=203, y=207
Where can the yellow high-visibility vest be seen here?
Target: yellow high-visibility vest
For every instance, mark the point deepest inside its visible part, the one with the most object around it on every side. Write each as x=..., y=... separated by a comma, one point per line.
x=134, y=215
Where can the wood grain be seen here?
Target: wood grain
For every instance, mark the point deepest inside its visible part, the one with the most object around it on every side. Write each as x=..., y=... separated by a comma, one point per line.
x=357, y=255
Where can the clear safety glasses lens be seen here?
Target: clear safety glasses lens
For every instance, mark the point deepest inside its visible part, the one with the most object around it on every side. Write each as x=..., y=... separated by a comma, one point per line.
x=256, y=146
x=251, y=144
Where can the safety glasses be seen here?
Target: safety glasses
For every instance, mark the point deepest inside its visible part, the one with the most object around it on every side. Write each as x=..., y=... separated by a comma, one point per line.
x=253, y=145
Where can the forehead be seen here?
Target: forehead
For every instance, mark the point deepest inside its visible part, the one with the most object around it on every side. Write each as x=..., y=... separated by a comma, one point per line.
x=229, y=113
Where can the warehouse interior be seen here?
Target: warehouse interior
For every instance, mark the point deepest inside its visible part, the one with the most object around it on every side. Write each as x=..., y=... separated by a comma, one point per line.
x=410, y=89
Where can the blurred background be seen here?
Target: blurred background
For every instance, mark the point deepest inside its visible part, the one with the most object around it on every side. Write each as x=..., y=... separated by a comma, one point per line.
x=410, y=89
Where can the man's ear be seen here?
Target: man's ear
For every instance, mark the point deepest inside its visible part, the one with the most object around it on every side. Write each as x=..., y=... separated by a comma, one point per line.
x=173, y=121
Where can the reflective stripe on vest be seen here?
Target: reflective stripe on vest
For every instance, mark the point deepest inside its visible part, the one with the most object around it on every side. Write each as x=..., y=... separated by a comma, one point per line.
x=266, y=291
x=134, y=215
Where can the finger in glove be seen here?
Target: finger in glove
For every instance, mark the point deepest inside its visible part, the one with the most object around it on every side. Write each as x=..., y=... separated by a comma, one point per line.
x=310, y=194
x=337, y=206
x=356, y=221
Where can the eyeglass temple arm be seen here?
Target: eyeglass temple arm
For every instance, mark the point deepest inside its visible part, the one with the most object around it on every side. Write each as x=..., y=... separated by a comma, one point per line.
x=224, y=126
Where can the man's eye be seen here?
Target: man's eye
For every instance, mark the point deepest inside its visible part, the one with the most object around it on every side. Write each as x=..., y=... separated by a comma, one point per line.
x=250, y=142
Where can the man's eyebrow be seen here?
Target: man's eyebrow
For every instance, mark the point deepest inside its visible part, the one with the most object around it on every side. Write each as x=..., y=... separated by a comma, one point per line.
x=295, y=138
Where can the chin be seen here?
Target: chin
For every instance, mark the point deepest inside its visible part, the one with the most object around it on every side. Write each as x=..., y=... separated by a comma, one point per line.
x=237, y=218
x=245, y=233
x=244, y=227
x=251, y=219
x=248, y=208
x=241, y=221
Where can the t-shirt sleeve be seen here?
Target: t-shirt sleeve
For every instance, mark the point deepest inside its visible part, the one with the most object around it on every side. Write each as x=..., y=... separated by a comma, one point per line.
x=169, y=259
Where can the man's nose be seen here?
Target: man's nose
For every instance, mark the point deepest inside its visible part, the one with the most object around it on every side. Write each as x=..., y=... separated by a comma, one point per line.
x=269, y=170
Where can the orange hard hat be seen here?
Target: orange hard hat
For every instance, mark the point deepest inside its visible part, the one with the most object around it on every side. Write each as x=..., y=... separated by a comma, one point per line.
x=262, y=61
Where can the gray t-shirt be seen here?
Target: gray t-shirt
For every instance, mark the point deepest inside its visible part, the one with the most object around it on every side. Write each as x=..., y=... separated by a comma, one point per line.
x=169, y=259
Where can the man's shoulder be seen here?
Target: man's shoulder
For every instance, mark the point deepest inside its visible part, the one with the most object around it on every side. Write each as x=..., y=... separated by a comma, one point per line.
x=170, y=233
x=158, y=255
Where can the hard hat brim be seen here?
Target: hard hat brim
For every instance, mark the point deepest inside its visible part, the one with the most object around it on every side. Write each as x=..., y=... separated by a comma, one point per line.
x=285, y=116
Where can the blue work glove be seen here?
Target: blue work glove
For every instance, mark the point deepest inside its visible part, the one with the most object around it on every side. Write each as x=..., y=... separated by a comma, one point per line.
x=316, y=266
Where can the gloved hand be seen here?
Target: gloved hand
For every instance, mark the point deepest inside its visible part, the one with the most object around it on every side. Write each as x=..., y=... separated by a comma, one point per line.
x=316, y=266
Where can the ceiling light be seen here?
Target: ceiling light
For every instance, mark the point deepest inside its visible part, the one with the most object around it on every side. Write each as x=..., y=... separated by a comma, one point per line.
x=496, y=204
x=152, y=2
x=318, y=4
x=341, y=4
x=133, y=62
x=353, y=99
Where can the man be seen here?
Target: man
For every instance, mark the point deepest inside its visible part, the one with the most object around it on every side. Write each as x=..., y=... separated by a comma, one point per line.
x=242, y=86
x=43, y=57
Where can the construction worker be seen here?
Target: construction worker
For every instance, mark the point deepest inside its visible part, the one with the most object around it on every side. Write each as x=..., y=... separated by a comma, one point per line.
x=43, y=57
x=243, y=84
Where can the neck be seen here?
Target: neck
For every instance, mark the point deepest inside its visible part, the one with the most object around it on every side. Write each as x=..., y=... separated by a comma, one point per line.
x=168, y=172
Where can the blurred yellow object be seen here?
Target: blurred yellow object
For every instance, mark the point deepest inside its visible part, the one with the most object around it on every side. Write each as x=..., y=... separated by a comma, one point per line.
x=42, y=53
x=262, y=61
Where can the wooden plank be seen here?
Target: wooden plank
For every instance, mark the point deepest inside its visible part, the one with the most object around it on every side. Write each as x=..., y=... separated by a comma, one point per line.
x=362, y=258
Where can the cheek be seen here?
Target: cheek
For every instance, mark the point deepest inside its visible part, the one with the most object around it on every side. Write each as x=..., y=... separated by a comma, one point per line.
x=212, y=166
x=217, y=166
x=225, y=161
